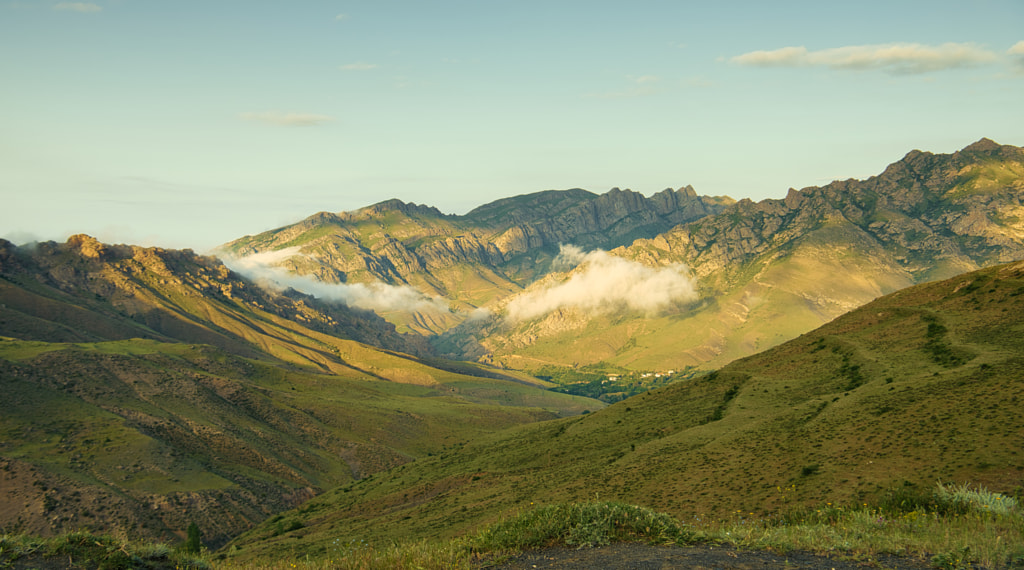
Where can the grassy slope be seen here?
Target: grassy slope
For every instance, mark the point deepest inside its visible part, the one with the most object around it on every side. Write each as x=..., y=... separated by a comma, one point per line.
x=768, y=303
x=235, y=402
x=150, y=421
x=918, y=386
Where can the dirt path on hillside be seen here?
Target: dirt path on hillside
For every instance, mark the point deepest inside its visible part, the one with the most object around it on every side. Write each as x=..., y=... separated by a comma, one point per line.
x=632, y=556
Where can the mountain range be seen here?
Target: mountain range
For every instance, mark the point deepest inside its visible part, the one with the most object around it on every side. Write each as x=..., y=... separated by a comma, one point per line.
x=760, y=273
x=387, y=368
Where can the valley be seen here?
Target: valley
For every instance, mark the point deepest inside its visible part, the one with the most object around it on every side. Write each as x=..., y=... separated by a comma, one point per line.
x=916, y=387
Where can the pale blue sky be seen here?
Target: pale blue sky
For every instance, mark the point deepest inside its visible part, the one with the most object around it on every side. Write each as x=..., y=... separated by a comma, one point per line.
x=187, y=124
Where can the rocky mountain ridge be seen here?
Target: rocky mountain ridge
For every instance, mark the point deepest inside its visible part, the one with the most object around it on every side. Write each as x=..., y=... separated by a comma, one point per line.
x=770, y=270
x=471, y=259
x=936, y=215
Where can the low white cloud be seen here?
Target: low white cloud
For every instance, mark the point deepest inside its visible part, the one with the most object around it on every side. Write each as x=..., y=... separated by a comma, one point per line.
x=85, y=7
x=603, y=283
x=341, y=17
x=568, y=258
x=264, y=269
x=898, y=58
x=287, y=119
x=358, y=66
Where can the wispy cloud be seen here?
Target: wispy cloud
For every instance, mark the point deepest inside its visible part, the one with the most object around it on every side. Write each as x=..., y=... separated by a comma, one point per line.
x=898, y=58
x=77, y=7
x=642, y=86
x=341, y=17
x=264, y=268
x=358, y=66
x=603, y=283
x=699, y=82
x=287, y=119
x=1016, y=53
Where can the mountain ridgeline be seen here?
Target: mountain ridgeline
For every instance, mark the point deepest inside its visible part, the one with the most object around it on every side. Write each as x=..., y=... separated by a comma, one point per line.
x=474, y=259
x=764, y=272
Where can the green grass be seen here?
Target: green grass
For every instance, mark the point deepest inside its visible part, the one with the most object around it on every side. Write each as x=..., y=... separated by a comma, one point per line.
x=978, y=536
x=581, y=525
x=146, y=421
x=86, y=550
x=843, y=413
x=954, y=526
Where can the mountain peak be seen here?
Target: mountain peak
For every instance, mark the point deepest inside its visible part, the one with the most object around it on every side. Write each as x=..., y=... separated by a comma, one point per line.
x=395, y=204
x=87, y=245
x=982, y=145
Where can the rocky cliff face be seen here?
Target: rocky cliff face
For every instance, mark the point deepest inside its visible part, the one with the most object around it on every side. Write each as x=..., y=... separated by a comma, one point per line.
x=606, y=221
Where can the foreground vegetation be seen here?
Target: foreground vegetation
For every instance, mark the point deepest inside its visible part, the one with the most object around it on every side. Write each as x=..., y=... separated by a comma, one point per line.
x=949, y=526
x=86, y=550
x=952, y=527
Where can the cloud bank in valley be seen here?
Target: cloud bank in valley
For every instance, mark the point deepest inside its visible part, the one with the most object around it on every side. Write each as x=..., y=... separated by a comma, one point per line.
x=604, y=283
x=379, y=297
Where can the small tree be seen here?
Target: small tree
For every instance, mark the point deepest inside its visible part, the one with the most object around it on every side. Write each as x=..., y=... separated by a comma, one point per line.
x=193, y=543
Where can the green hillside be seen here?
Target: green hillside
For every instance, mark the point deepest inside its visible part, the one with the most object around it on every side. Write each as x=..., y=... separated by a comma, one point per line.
x=916, y=387
x=145, y=389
